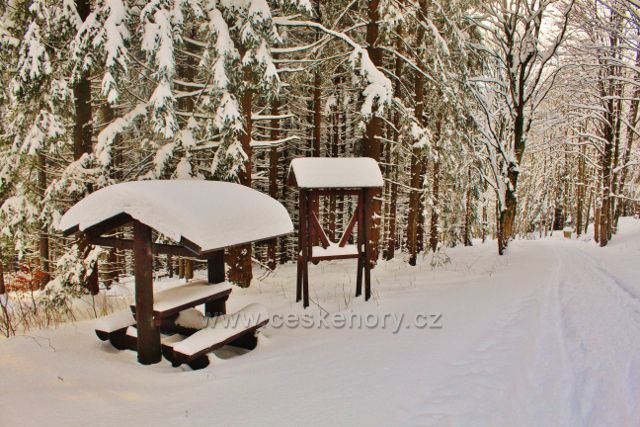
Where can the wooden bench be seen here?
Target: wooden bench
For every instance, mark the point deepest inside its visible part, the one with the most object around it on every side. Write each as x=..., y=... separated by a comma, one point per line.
x=119, y=328
x=169, y=302
x=238, y=329
x=113, y=328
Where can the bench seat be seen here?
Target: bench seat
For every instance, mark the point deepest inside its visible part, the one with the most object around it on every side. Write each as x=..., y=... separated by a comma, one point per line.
x=114, y=328
x=170, y=302
x=234, y=329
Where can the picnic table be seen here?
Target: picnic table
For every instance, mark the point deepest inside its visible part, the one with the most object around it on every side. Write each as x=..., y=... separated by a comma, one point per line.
x=204, y=218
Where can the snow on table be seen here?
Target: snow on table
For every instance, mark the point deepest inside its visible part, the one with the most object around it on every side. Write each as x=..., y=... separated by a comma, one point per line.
x=211, y=214
x=222, y=328
x=343, y=172
x=185, y=294
x=115, y=321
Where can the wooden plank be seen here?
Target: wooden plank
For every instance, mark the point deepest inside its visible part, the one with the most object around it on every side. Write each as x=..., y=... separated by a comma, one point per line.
x=149, y=350
x=196, y=361
x=333, y=257
x=336, y=192
x=159, y=315
x=349, y=230
x=319, y=231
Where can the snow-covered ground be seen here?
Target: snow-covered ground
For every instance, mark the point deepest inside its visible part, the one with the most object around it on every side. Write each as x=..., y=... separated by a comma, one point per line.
x=546, y=335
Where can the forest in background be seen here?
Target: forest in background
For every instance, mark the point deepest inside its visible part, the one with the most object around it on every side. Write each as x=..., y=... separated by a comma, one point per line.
x=490, y=119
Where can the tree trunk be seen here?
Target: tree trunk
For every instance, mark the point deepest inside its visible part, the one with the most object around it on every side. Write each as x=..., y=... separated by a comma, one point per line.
x=317, y=115
x=317, y=97
x=508, y=213
x=416, y=172
x=596, y=223
x=274, y=158
x=82, y=134
x=580, y=191
x=435, y=197
x=3, y=290
x=44, y=236
x=633, y=121
x=239, y=257
x=468, y=216
x=373, y=145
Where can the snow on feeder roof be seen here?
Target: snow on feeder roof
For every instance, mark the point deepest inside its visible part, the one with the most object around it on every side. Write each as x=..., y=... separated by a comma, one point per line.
x=204, y=215
x=338, y=172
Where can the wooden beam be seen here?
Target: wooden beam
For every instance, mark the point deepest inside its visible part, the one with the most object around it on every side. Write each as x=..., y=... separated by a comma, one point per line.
x=107, y=225
x=319, y=231
x=349, y=230
x=156, y=248
x=149, y=350
x=333, y=191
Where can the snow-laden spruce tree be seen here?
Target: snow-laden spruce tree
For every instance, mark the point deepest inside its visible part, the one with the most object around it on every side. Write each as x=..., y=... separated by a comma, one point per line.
x=35, y=36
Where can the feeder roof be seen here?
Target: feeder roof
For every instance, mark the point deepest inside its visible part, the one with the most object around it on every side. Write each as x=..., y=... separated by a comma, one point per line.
x=338, y=172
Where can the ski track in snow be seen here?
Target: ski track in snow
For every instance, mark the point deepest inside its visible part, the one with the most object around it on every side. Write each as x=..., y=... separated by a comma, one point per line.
x=575, y=326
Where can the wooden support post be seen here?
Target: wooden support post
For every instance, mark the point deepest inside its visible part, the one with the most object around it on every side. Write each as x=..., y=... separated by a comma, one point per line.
x=188, y=269
x=215, y=268
x=301, y=243
x=360, y=243
x=306, y=248
x=367, y=245
x=170, y=265
x=216, y=274
x=299, y=278
x=149, y=351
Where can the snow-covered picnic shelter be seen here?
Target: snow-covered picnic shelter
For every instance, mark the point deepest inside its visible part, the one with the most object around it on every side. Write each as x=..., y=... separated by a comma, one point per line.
x=203, y=218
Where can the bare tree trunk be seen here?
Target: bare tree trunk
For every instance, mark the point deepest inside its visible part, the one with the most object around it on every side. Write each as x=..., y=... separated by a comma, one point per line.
x=632, y=120
x=485, y=221
x=606, y=177
x=3, y=290
x=508, y=214
x=586, y=218
x=580, y=191
x=468, y=211
x=596, y=223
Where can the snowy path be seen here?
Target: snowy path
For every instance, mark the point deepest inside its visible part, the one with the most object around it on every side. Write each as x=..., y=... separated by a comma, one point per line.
x=568, y=354
x=548, y=335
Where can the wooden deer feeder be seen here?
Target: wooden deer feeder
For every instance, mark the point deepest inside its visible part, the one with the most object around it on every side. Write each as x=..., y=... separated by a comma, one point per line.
x=334, y=177
x=203, y=217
